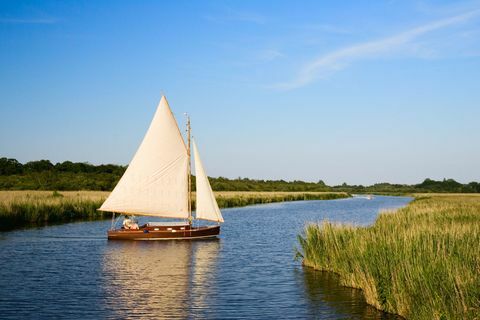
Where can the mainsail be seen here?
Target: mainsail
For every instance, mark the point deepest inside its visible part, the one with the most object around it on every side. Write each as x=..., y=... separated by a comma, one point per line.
x=156, y=181
x=206, y=205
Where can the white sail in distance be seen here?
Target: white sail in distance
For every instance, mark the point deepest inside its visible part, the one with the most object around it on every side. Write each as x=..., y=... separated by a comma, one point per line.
x=156, y=181
x=206, y=205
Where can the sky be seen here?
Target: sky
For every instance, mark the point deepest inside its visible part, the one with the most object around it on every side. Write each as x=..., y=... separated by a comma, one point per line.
x=343, y=91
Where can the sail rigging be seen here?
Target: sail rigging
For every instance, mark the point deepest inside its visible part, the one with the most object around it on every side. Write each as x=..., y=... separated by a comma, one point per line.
x=155, y=183
x=206, y=205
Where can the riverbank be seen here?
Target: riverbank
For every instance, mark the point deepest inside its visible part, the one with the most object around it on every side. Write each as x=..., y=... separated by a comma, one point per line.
x=35, y=208
x=420, y=262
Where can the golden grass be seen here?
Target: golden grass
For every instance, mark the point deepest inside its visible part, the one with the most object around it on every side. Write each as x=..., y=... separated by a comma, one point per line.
x=422, y=261
x=7, y=198
x=240, y=199
x=25, y=208
x=22, y=208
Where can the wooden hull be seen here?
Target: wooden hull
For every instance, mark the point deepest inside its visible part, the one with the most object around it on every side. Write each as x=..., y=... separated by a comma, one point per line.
x=164, y=233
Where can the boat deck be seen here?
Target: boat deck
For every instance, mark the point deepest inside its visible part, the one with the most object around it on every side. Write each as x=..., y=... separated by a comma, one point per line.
x=179, y=232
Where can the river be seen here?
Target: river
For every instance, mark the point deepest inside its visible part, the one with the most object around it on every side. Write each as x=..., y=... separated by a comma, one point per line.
x=71, y=271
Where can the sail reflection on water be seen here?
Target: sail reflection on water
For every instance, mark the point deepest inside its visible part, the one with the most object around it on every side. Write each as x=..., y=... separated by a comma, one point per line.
x=203, y=276
x=158, y=279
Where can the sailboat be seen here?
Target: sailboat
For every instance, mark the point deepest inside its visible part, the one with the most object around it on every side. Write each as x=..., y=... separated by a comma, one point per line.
x=157, y=183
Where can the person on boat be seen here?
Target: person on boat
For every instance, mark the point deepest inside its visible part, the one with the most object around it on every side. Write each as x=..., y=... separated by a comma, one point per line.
x=130, y=223
x=134, y=224
x=127, y=222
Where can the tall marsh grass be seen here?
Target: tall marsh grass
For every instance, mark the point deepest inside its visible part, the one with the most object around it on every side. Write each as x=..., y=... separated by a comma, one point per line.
x=421, y=262
x=29, y=208
x=26, y=208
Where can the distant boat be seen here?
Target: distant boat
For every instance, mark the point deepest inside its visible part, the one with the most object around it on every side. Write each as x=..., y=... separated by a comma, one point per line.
x=157, y=184
x=368, y=196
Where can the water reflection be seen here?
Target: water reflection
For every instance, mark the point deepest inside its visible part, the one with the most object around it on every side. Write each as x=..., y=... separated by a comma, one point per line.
x=158, y=279
x=324, y=292
x=204, y=275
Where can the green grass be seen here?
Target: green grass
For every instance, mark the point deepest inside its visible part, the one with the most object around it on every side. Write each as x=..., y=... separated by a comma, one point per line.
x=422, y=261
x=32, y=208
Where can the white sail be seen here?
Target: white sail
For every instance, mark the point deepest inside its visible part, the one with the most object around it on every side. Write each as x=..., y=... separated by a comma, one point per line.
x=156, y=182
x=206, y=205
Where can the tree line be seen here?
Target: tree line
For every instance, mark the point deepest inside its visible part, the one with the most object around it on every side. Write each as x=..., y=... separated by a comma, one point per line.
x=68, y=175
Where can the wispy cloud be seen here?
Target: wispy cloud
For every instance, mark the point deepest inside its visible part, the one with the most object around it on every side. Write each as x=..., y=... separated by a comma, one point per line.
x=27, y=21
x=330, y=63
x=269, y=55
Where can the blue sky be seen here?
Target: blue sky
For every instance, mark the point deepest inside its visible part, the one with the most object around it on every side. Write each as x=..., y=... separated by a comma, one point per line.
x=357, y=91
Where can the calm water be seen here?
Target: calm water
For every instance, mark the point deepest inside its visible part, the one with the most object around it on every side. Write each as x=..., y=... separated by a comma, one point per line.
x=72, y=272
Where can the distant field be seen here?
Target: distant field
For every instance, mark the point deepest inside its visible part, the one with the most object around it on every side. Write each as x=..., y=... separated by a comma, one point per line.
x=422, y=261
x=26, y=208
x=228, y=199
x=465, y=196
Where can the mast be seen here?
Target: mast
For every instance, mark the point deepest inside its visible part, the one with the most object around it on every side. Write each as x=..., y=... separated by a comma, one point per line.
x=189, y=172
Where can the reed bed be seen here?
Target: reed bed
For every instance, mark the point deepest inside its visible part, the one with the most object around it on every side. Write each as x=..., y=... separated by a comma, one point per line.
x=421, y=262
x=31, y=208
